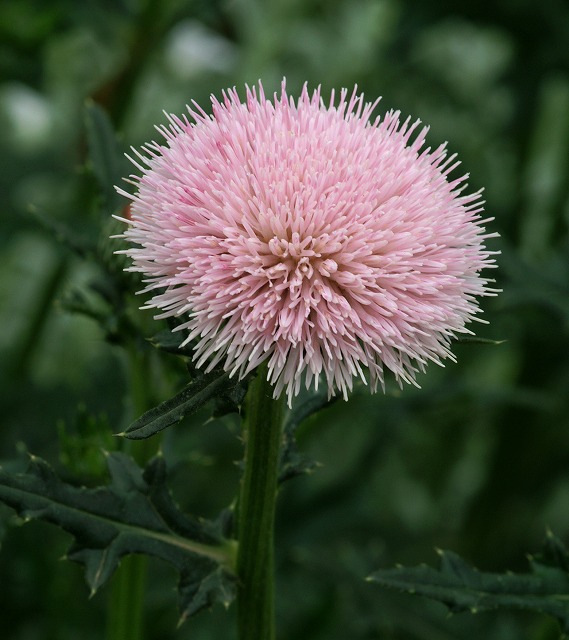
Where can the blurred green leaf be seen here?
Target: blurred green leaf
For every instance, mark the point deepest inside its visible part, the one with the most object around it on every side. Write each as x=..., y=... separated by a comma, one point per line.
x=82, y=442
x=64, y=234
x=135, y=513
x=105, y=155
x=463, y=588
x=78, y=301
x=543, y=284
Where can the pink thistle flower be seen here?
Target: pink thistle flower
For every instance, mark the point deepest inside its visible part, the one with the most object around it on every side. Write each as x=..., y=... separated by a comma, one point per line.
x=309, y=236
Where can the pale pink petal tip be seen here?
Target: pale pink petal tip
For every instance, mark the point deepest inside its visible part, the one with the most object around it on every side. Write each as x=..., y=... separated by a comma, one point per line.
x=308, y=235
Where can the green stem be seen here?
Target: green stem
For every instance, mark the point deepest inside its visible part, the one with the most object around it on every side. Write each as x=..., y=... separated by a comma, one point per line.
x=127, y=597
x=257, y=500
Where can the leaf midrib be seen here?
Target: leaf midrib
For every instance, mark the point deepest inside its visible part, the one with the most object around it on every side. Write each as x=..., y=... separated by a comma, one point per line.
x=222, y=554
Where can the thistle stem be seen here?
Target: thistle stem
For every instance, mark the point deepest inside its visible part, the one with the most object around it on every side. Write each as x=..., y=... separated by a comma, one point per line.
x=256, y=511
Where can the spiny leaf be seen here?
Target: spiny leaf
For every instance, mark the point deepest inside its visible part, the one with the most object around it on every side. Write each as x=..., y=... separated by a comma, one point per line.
x=135, y=513
x=201, y=588
x=463, y=588
x=203, y=388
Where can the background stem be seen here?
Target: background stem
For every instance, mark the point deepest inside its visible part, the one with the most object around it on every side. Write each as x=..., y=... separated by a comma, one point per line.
x=255, y=563
x=126, y=608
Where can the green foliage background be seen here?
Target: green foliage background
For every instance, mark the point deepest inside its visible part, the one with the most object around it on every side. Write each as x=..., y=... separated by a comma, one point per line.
x=477, y=461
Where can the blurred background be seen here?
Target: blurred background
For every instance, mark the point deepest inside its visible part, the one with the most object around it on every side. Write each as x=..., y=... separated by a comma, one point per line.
x=477, y=461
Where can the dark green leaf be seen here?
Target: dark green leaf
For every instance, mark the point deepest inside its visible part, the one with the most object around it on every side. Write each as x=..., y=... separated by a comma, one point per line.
x=135, y=513
x=189, y=400
x=463, y=588
x=105, y=155
x=292, y=462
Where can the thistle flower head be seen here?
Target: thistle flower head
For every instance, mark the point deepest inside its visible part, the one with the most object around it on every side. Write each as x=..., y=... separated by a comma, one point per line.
x=308, y=235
